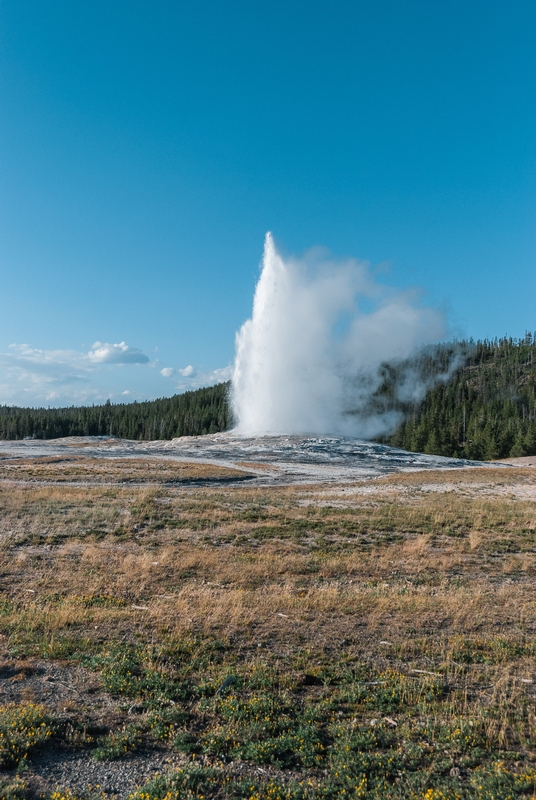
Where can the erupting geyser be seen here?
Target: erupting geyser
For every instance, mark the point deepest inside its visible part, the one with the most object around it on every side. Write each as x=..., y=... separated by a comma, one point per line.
x=308, y=359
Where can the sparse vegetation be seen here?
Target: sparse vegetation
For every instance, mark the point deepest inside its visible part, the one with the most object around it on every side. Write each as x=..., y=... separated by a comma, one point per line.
x=370, y=640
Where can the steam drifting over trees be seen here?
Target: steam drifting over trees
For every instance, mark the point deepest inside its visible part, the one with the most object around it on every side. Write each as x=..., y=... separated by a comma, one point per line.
x=486, y=410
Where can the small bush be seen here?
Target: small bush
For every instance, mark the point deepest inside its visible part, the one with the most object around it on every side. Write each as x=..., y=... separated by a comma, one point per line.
x=13, y=789
x=22, y=727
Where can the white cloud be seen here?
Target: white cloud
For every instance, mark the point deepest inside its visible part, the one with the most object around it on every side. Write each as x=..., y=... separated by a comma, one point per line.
x=33, y=377
x=219, y=375
x=199, y=378
x=23, y=354
x=122, y=353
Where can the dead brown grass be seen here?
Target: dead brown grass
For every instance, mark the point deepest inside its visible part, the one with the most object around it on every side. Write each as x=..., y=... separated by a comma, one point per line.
x=261, y=564
x=77, y=469
x=491, y=476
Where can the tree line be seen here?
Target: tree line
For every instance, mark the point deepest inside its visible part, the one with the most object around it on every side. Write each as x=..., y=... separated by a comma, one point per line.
x=190, y=414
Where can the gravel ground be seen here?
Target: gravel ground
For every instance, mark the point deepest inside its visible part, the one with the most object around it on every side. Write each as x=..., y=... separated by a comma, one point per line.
x=81, y=772
x=73, y=692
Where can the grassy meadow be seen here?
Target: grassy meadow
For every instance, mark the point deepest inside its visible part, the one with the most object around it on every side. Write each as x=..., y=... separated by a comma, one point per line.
x=365, y=640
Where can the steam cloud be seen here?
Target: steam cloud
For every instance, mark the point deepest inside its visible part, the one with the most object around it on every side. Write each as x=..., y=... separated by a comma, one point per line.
x=309, y=360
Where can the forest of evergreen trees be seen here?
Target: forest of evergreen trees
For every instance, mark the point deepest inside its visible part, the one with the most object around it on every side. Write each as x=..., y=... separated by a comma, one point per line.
x=189, y=414
x=486, y=408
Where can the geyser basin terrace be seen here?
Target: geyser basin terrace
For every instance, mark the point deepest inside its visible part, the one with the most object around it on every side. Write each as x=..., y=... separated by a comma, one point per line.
x=266, y=459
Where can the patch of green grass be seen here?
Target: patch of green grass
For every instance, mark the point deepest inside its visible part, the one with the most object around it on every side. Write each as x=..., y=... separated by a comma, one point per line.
x=118, y=744
x=372, y=777
x=137, y=672
x=99, y=601
x=490, y=651
x=164, y=723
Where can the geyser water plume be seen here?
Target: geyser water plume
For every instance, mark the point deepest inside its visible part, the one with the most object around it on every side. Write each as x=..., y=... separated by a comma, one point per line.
x=309, y=359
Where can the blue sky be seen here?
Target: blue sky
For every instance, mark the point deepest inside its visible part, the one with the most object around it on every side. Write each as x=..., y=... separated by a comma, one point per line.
x=146, y=148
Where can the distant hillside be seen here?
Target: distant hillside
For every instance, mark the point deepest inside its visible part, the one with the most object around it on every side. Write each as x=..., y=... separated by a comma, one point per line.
x=188, y=414
x=486, y=410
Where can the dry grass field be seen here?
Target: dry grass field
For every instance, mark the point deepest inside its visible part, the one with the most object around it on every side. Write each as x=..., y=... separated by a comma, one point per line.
x=175, y=633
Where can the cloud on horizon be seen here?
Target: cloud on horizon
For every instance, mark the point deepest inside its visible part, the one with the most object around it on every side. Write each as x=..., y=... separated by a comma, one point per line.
x=31, y=376
x=192, y=378
x=199, y=378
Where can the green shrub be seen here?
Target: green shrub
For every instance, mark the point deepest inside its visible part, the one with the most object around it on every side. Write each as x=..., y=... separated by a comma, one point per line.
x=22, y=727
x=118, y=744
